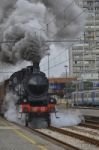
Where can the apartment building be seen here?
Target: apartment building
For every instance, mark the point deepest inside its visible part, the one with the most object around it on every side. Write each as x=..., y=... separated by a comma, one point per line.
x=84, y=56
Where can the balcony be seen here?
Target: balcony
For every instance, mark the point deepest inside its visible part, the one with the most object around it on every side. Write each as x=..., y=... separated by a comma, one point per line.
x=81, y=65
x=89, y=58
x=97, y=11
x=80, y=47
x=78, y=52
x=96, y=51
x=97, y=17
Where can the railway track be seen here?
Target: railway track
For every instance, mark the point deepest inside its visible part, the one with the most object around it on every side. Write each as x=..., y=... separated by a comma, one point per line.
x=49, y=135
x=72, y=138
x=92, y=121
x=73, y=131
x=91, y=124
x=69, y=138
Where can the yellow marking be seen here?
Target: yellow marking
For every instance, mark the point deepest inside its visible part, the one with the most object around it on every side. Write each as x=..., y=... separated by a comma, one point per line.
x=3, y=123
x=8, y=127
x=25, y=137
x=30, y=140
x=6, y=123
x=42, y=147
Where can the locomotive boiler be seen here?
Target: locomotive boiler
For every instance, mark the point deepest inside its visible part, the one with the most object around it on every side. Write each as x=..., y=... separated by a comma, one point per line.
x=31, y=85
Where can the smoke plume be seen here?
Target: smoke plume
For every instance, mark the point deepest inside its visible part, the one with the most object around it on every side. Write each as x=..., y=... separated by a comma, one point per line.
x=30, y=23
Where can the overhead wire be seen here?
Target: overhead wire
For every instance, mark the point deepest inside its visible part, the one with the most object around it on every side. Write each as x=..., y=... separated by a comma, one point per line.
x=70, y=22
x=67, y=25
x=58, y=55
x=61, y=11
x=55, y=65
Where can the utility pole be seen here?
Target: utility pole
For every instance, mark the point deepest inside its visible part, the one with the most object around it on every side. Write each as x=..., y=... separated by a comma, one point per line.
x=48, y=65
x=48, y=54
x=66, y=99
x=98, y=74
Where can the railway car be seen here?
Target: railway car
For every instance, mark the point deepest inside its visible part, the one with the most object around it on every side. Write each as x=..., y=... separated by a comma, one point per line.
x=31, y=85
x=86, y=98
x=1, y=96
x=3, y=89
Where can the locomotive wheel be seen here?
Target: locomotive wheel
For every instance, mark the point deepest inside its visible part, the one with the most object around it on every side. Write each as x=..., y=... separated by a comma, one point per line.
x=48, y=120
x=26, y=120
x=26, y=123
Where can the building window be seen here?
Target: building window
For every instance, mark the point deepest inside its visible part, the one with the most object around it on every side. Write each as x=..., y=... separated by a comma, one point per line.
x=90, y=3
x=75, y=62
x=91, y=74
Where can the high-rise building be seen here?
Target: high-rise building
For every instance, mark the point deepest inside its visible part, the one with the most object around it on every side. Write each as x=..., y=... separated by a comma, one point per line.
x=84, y=56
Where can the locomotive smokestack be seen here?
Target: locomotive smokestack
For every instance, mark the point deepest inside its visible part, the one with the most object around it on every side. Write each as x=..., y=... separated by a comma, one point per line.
x=36, y=66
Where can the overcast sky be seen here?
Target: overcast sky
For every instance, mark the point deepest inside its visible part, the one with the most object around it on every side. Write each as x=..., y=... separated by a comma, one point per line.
x=58, y=58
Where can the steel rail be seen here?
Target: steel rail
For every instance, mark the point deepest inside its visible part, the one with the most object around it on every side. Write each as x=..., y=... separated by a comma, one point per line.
x=77, y=135
x=90, y=124
x=55, y=140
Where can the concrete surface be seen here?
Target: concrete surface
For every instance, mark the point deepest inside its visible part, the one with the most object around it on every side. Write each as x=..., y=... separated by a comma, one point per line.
x=13, y=137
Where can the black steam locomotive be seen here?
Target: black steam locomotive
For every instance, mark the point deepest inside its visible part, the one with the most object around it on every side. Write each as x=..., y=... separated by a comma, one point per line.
x=31, y=86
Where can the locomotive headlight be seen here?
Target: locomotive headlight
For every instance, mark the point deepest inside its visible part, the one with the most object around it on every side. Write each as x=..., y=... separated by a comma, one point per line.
x=52, y=100
x=25, y=100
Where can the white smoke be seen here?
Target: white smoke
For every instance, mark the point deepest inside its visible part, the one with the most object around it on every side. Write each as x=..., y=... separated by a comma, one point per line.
x=9, y=107
x=69, y=18
x=61, y=119
x=30, y=23
x=7, y=69
x=24, y=27
x=68, y=118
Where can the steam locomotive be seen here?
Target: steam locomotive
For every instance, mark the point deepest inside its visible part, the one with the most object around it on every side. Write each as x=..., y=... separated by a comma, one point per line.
x=31, y=86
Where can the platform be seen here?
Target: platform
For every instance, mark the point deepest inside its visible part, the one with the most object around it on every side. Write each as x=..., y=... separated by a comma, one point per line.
x=13, y=137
